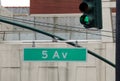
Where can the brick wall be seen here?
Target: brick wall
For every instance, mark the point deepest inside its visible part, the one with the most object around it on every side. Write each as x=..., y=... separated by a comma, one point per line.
x=54, y=6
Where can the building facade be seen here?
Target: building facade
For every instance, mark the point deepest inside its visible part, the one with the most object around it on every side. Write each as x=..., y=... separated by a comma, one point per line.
x=13, y=40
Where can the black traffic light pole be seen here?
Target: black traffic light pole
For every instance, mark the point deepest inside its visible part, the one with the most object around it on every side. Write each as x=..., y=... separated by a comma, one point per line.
x=118, y=40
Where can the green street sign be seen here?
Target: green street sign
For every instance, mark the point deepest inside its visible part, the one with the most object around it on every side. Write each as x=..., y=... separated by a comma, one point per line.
x=55, y=54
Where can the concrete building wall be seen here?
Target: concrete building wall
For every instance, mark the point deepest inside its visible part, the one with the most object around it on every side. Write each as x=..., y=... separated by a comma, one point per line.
x=5, y=27
x=14, y=68
x=5, y=12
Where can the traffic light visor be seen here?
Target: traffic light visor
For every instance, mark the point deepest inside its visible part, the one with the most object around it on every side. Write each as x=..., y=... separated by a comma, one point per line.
x=84, y=7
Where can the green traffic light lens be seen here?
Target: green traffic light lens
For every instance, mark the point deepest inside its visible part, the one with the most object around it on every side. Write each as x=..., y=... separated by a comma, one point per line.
x=84, y=19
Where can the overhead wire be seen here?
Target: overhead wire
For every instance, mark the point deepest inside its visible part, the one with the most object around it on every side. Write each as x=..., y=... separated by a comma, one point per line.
x=64, y=28
x=53, y=36
x=37, y=22
x=48, y=25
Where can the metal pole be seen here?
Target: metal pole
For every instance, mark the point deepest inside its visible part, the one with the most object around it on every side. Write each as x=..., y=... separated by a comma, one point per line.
x=118, y=40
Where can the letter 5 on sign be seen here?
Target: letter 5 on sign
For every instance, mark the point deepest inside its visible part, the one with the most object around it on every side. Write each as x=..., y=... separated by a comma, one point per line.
x=55, y=54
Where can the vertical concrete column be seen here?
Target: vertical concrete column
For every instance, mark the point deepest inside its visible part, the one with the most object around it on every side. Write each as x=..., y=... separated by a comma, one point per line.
x=107, y=22
x=100, y=65
x=107, y=25
x=71, y=72
x=110, y=55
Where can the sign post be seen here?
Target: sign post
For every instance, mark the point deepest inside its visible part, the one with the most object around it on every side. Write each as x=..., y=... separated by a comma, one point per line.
x=55, y=54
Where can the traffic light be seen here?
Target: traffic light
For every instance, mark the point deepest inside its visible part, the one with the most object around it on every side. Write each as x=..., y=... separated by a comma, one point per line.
x=92, y=14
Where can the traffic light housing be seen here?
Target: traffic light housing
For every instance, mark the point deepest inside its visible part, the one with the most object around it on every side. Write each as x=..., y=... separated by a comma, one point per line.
x=92, y=14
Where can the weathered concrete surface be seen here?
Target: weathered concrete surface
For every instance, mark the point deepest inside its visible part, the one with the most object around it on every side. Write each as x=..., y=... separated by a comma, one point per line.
x=13, y=68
